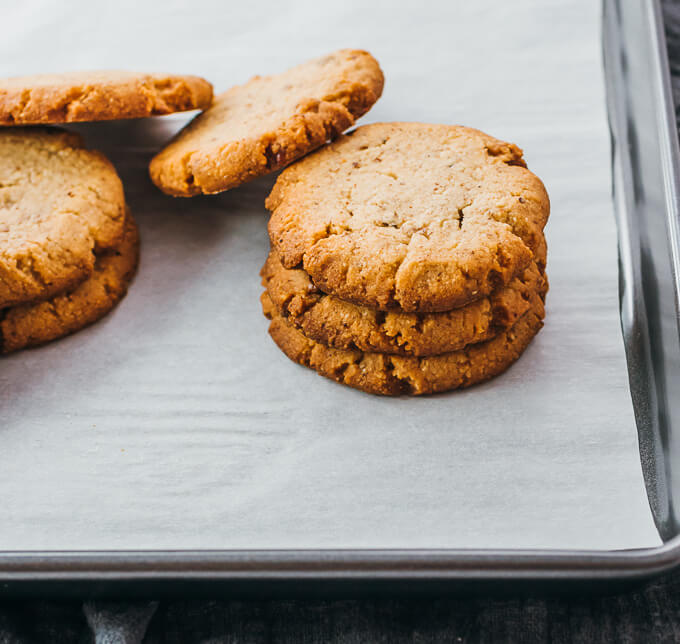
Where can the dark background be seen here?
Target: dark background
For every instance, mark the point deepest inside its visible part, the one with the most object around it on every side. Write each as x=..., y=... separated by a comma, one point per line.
x=650, y=614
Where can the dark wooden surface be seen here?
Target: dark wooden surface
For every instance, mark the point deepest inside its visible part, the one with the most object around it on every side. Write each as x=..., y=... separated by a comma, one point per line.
x=649, y=614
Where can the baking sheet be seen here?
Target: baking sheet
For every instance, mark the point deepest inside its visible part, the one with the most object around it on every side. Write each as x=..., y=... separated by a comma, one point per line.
x=176, y=423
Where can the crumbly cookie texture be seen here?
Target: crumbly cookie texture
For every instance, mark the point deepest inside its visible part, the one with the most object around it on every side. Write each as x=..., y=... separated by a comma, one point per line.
x=59, y=204
x=380, y=373
x=98, y=96
x=32, y=324
x=264, y=125
x=421, y=217
x=336, y=323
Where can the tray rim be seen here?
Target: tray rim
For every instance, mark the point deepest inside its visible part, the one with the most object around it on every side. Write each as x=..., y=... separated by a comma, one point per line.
x=102, y=569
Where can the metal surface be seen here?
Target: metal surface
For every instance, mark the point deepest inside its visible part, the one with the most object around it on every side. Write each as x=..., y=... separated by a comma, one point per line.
x=645, y=158
x=645, y=153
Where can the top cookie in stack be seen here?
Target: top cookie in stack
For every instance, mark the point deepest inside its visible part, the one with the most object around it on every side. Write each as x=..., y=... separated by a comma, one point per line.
x=98, y=96
x=407, y=258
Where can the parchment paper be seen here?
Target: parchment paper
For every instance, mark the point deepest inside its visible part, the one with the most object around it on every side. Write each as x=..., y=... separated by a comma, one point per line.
x=176, y=422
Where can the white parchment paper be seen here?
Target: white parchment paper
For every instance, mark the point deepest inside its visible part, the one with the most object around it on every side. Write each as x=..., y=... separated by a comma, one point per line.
x=176, y=423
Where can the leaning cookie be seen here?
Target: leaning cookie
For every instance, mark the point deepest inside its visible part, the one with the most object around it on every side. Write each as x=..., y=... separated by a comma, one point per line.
x=386, y=374
x=29, y=325
x=98, y=96
x=342, y=325
x=409, y=215
x=59, y=205
x=264, y=125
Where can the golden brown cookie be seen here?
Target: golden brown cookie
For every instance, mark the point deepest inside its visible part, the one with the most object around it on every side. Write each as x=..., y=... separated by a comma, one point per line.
x=380, y=373
x=342, y=325
x=264, y=125
x=32, y=324
x=421, y=217
x=59, y=204
x=98, y=96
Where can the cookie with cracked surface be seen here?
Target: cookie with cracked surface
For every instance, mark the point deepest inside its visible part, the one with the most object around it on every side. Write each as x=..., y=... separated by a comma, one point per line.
x=421, y=217
x=264, y=125
x=33, y=324
x=380, y=373
x=342, y=325
x=59, y=204
x=98, y=96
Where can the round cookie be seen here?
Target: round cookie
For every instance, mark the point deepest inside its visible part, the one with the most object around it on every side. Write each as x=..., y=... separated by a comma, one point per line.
x=264, y=125
x=421, y=217
x=342, y=325
x=98, y=96
x=59, y=204
x=380, y=373
x=32, y=324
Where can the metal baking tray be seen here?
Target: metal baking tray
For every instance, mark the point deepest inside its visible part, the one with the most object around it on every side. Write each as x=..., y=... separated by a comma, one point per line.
x=171, y=448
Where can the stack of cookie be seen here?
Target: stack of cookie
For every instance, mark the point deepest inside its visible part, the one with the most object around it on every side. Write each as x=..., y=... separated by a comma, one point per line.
x=407, y=258
x=68, y=243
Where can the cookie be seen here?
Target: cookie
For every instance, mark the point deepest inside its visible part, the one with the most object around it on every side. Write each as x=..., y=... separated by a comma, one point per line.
x=380, y=373
x=264, y=125
x=98, y=96
x=421, y=217
x=59, y=204
x=32, y=324
x=336, y=323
